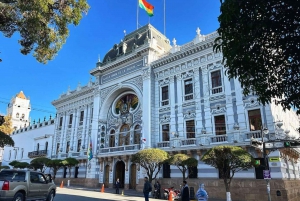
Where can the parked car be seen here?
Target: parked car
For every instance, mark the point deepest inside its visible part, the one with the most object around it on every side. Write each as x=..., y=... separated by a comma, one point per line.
x=21, y=185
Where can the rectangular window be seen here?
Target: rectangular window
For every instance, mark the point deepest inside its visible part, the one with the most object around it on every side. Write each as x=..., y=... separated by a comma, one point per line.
x=70, y=121
x=190, y=129
x=60, y=122
x=188, y=89
x=92, y=111
x=165, y=132
x=220, y=125
x=164, y=95
x=68, y=147
x=57, y=148
x=216, y=82
x=254, y=120
x=81, y=118
x=78, y=145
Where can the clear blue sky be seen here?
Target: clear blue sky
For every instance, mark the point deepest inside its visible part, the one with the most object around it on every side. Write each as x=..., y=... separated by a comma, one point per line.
x=98, y=31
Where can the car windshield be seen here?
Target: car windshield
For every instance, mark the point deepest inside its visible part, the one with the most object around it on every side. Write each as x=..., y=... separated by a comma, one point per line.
x=12, y=175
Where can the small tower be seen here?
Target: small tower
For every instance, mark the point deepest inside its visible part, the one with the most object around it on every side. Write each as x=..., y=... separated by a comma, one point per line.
x=19, y=109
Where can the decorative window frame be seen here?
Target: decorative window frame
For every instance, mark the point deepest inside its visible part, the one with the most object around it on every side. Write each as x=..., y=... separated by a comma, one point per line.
x=210, y=81
x=167, y=101
x=214, y=123
x=183, y=89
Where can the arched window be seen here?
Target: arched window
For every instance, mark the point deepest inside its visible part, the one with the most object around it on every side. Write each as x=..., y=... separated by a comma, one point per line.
x=124, y=137
x=38, y=146
x=112, y=138
x=46, y=146
x=17, y=115
x=137, y=134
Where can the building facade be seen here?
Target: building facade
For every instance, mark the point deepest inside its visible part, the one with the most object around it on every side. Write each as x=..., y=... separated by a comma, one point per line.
x=147, y=93
x=19, y=109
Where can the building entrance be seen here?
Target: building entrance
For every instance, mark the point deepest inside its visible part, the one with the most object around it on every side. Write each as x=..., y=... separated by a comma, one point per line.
x=120, y=173
x=132, y=183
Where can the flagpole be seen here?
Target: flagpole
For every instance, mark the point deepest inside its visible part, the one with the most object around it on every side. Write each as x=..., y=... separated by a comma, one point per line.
x=137, y=15
x=164, y=17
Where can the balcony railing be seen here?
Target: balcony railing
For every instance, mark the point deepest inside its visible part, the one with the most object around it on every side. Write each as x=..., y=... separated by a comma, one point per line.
x=220, y=138
x=254, y=134
x=187, y=142
x=164, y=102
x=39, y=153
x=216, y=90
x=120, y=148
x=163, y=144
x=188, y=97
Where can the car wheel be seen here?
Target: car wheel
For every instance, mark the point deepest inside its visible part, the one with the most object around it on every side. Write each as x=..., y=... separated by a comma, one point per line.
x=18, y=197
x=50, y=196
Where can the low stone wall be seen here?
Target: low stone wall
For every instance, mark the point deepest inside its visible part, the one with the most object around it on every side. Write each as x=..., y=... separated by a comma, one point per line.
x=241, y=189
x=86, y=182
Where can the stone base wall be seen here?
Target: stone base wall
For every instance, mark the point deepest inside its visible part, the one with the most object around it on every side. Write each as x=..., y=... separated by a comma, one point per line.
x=86, y=182
x=241, y=189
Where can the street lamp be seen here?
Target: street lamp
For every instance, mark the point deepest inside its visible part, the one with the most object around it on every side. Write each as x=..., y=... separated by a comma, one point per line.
x=265, y=131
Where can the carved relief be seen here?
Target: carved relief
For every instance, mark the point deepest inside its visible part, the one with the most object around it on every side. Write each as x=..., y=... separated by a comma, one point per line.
x=189, y=115
x=105, y=91
x=146, y=73
x=165, y=119
x=218, y=110
x=164, y=82
x=137, y=81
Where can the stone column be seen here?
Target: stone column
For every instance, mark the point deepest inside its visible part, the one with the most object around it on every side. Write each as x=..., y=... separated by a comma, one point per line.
x=172, y=105
x=179, y=89
x=207, y=111
x=146, y=107
x=197, y=97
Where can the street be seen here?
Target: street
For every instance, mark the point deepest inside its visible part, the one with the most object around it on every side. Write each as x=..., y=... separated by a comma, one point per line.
x=65, y=194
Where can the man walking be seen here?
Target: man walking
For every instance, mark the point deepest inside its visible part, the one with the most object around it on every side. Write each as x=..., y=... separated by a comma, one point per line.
x=147, y=189
x=185, y=193
x=118, y=186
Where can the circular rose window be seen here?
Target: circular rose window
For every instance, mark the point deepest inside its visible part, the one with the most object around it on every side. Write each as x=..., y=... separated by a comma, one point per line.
x=126, y=103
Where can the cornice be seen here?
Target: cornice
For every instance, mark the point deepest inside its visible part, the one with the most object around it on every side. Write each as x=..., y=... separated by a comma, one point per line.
x=192, y=49
x=73, y=96
x=131, y=56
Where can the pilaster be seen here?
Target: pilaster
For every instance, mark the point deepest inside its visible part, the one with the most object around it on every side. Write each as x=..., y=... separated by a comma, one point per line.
x=179, y=104
x=146, y=107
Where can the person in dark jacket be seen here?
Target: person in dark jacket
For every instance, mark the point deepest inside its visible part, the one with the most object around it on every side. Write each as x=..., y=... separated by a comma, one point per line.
x=118, y=186
x=185, y=192
x=147, y=189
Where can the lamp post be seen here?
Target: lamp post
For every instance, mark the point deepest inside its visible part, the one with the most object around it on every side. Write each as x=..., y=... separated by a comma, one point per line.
x=265, y=131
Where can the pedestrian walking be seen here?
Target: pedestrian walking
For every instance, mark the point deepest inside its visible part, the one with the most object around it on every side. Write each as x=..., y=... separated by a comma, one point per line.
x=157, y=189
x=201, y=193
x=147, y=189
x=118, y=186
x=185, y=192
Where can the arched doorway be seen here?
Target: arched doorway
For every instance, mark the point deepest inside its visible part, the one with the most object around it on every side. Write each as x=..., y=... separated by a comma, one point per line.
x=106, y=176
x=132, y=182
x=120, y=173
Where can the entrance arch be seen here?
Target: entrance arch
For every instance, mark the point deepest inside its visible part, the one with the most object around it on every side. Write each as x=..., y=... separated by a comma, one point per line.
x=120, y=173
x=106, y=176
x=132, y=182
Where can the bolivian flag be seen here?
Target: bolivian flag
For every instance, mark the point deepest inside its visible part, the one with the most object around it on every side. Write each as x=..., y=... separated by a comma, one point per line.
x=147, y=7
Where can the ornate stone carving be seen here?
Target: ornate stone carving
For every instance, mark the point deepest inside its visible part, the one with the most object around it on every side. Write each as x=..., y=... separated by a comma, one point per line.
x=252, y=102
x=165, y=119
x=105, y=91
x=213, y=98
x=164, y=82
x=218, y=110
x=137, y=81
x=189, y=115
x=165, y=109
x=146, y=73
x=188, y=74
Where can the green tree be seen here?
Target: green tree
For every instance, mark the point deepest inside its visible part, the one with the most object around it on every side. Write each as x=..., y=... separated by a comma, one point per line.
x=6, y=140
x=14, y=163
x=151, y=160
x=70, y=162
x=39, y=163
x=22, y=165
x=6, y=127
x=228, y=160
x=4, y=167
x=183, y=162
x=55, y=165
x=42, y=25
x=260, y=45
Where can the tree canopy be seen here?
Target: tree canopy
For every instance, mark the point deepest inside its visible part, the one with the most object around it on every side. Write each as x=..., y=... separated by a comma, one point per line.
x=6, y=127
x=55, y=164
x=39, y=163
x=70, y=162
x=42, y=25
x=151, y=160
x=183, y=162
x=228, y=160
x=260, y=42
x=6, y=140
x=17, y=164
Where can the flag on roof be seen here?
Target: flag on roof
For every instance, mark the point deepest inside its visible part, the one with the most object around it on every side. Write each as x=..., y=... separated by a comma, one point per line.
x=147, y=7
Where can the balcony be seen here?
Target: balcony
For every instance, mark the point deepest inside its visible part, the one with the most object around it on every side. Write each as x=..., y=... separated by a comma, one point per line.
x=35, y=154
x=163, y=144
x=189, y=142
x=219, y=139
x=120, y=148
x=217, y=90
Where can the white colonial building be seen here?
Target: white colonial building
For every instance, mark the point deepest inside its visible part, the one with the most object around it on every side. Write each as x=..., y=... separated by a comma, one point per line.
x=149, y=93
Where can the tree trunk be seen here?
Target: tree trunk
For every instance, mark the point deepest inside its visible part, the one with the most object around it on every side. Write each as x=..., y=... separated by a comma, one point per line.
x=227, y=186
x=183, y=174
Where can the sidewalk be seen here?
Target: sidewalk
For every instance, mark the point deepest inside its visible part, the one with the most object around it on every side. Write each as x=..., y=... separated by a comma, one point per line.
x=128, y=192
